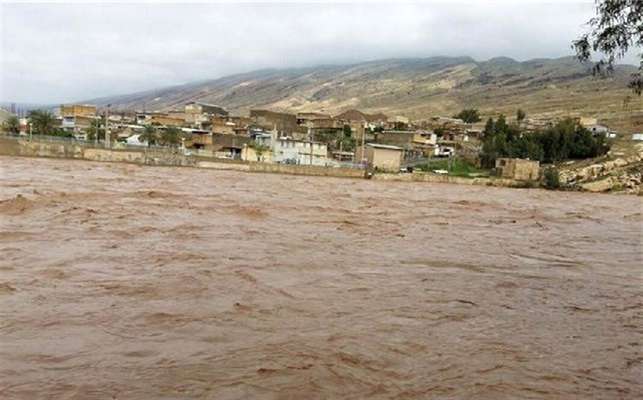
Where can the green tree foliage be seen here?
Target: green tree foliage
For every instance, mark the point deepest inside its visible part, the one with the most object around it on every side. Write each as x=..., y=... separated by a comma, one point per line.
x=336, y=138
x=347, y=140
x=348, y=144
x=259, y=149
x=348, y=132
x=43, y=122
x=617, y=27
x=566, y=140
x=11, y=125
x=520, y=115
x=62, y=133
x=552, y=179
x=329, y=136
x=95, y=128
x=468, y=115
x=149, y=135
x=170, y=136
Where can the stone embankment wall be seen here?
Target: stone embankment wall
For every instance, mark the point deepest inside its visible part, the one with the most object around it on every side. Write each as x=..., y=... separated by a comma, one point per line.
x=432, y=178
x=306, y=170
x=12, y=147
x=25, y=148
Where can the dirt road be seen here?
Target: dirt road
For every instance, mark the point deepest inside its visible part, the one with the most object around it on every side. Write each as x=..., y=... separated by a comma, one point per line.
x=126, y=282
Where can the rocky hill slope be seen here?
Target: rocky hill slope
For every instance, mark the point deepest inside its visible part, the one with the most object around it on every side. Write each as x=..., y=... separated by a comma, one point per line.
x=417, y=88
x=621, y=171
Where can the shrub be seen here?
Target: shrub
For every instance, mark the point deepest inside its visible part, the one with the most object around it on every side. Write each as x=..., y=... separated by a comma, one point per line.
x=468, y=115
x=552, y=180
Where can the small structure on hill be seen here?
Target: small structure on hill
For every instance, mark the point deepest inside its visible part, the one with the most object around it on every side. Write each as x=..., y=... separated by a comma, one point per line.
x=518, y=168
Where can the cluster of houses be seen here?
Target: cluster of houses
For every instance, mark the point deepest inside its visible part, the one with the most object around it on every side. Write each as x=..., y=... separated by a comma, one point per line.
x=309, y=138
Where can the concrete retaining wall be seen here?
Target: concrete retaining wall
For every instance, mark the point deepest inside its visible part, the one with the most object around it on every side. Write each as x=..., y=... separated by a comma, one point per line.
x=25, y=148
x=12, y=147
x=432, y=178
x=306, y=170
x=228, y=166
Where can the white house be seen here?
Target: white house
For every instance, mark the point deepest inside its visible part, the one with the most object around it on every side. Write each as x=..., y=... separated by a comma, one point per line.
x=291, y=151
x=286, y=150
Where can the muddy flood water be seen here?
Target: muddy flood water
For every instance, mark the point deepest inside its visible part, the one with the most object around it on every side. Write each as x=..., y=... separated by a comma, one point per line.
x=126, y=282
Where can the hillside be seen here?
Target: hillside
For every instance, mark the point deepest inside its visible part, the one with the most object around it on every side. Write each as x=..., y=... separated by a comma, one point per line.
x=417, y=88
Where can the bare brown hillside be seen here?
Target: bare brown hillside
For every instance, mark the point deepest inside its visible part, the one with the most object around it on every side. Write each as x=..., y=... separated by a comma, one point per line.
x=417, y=88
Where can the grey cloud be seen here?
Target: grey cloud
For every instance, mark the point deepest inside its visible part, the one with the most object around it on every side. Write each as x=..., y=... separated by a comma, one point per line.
x=65, y=52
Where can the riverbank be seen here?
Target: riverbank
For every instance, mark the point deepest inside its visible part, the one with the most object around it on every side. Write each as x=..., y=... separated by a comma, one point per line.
x=158, y=157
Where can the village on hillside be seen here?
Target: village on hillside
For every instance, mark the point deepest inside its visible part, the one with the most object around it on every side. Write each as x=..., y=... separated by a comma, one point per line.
x=463, y=145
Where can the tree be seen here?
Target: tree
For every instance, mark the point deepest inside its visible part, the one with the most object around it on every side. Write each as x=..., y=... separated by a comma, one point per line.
x=552, y=179
x=43, y=122
x=347, y=142
x=259, y=149
x=11, y=125
x=565, y=140
x=501, y=124
x=489, y=127
x=348, y=131
x=95, y=129
x=149, y=135
x=520, y=115
x=170, y=136
x=468, y=115
x=617, y=27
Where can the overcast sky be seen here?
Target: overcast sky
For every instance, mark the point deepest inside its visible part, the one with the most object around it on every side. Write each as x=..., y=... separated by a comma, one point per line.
x=63, y=52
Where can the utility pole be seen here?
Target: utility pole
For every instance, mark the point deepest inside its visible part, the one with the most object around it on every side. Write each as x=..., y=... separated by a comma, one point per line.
x=310, y=138
x=30, y=131
x=107, y=142
x=363, y=148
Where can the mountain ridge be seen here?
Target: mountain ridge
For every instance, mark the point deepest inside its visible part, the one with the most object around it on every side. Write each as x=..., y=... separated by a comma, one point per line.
x=414, y=87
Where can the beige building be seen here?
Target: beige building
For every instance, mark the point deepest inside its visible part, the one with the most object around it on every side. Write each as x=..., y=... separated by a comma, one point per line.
x=518, y=168
x=77, y=110
x=272, y=120
x=199, y=114
x=383, y=157
x=167, y=120
x=77, y=118
x=222, y=125
x=177, y=114
x=196, y=107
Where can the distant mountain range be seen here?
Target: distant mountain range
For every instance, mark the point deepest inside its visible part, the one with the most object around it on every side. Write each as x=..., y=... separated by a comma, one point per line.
x=22, y=109
x=416, y=88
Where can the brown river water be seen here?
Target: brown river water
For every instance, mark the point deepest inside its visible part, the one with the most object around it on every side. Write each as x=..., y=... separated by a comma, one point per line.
x=120, y=281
